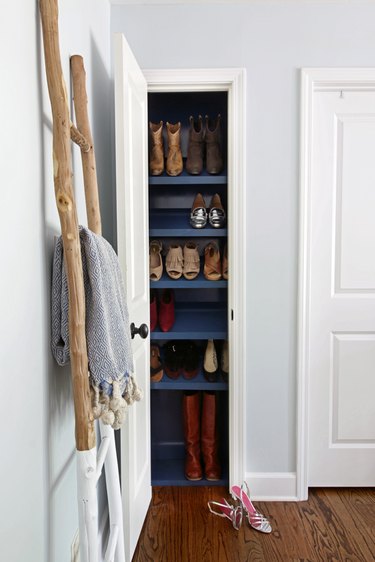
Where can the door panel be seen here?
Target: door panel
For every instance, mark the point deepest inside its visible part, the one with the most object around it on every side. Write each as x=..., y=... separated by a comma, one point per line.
x=342, y=307
x=132, y=244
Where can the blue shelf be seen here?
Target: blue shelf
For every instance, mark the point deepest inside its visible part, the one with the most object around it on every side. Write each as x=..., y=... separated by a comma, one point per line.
x=198, y=383
x=199, y=282
x=186, y=179
x=175, y=223
x=196, y=321
x=170, y=472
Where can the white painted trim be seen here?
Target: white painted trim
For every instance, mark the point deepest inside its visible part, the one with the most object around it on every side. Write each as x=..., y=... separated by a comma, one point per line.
x=272, y=486
x=232, y=80
x=313, y=80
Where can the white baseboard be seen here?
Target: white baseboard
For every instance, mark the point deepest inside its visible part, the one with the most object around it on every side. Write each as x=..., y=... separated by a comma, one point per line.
x=272, y=486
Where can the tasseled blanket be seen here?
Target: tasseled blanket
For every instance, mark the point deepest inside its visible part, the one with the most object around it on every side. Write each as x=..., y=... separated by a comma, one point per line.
x=107, y=326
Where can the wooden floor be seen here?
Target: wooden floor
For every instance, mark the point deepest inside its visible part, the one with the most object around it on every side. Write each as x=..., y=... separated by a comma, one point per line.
x=333, y=525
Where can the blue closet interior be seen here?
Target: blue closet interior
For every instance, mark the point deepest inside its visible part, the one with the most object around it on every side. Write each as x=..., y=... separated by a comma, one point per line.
x=201, y=306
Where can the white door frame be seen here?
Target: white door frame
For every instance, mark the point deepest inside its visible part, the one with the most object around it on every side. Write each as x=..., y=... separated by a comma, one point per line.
x=233, y=81
x=313, y=80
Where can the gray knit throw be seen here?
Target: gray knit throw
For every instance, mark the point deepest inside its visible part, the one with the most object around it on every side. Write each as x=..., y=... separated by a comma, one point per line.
x=107, y=326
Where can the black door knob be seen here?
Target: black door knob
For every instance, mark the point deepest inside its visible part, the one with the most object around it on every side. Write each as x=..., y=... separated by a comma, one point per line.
x=142, y=330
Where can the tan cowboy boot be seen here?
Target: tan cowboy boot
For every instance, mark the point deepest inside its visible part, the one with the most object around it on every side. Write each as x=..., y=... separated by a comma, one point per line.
x=157, y=149
x=174, y=158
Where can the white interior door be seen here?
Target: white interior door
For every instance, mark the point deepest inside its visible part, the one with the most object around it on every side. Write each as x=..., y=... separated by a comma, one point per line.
x=342, y=306
x=132, y=244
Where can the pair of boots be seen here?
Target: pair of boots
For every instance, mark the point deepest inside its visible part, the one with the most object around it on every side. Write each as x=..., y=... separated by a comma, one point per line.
x=174, y=165
x=201, y=138
x=201, y=436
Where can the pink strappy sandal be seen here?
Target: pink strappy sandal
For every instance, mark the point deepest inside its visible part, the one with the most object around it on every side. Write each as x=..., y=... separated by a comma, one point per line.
x=254, y=518
x=225, y=509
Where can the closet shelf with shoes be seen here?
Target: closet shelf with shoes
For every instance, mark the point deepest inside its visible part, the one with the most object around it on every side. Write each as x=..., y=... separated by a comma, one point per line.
x=188, y=267
x=176, y=223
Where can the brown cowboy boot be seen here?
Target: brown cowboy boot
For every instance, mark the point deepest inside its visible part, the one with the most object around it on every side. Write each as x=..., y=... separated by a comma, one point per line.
x=191, y=415
x=209, y=437
x=194, y=162
x=157, y=149
x=214, y=159
x=174, y=157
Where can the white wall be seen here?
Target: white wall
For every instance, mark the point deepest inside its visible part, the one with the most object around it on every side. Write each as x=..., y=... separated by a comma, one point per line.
x=272, y=40
x=38, y=498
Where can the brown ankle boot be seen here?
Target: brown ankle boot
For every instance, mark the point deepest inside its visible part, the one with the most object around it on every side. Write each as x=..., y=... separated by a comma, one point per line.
x=214, y=159
x=194, y=162
x=191, y=414
x=209, y=437
x=174, y=158
x=157, y=149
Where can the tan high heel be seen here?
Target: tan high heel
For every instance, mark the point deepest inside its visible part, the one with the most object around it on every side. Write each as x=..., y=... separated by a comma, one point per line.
x=191, y=261
x=174, y=262
x=212, y=265
x=156, y=263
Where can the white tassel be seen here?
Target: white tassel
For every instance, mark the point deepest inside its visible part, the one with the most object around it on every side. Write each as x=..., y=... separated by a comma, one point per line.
x=108, y=417
x=117, y=400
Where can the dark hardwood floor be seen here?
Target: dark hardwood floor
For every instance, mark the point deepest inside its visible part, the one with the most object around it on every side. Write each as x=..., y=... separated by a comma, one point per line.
x=333, y=525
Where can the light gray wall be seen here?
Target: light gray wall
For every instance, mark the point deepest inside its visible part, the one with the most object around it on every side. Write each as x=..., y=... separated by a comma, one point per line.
x=272, y=40
x=38, y=511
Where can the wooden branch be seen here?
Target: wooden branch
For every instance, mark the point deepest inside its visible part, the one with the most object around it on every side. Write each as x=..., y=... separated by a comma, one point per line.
x=88, y=158
x=79, y=139
x=84, y=421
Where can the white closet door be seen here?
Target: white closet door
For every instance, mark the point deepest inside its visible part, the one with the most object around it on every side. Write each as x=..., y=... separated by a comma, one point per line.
x=132, y=244
x=342, y=307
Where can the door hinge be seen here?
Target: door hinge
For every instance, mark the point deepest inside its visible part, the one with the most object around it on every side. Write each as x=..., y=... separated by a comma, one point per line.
x=232, y=314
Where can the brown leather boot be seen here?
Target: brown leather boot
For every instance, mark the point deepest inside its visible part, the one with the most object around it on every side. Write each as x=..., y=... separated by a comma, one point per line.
x=209, y=437
x=214, y=159
x=174, y=157
x=194, y=162
x=157, y=149
x=191, y=414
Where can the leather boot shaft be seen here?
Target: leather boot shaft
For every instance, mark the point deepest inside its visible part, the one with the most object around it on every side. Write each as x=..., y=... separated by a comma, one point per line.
x=157, y=149
x=174, y=157
x=194, y=161
x=191, y=417
x=209, y=437
x=214, y=159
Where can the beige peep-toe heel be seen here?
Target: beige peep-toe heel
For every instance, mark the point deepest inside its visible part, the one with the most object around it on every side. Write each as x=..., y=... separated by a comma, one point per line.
x=191, y=261
x=156, y=263
x=174, y=262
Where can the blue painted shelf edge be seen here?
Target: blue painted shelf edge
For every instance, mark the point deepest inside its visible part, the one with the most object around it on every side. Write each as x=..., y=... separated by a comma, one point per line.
x=186, y=179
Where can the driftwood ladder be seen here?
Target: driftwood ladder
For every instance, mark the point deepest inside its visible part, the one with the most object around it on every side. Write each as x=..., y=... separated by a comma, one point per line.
x=90, y=460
